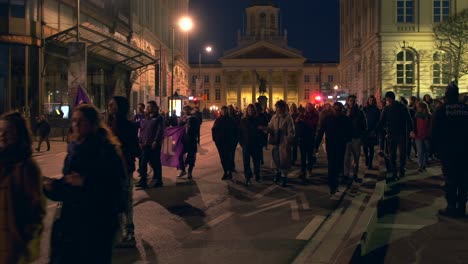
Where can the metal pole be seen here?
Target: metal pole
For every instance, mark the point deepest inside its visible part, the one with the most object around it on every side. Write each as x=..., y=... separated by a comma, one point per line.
x=172, y=72
x=77, y=20
x=159, y=74
x=199, y=74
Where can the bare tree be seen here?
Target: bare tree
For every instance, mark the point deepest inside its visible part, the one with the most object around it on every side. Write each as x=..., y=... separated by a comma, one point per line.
x=451, y=36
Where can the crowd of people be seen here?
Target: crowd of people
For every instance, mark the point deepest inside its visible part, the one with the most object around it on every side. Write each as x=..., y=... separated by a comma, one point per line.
x=102, y=153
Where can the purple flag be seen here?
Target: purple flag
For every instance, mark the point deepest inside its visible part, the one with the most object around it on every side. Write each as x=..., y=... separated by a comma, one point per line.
x=172, y=146
x=81, y=96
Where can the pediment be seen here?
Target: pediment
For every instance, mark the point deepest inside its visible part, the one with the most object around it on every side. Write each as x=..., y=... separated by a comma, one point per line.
x=262, y=51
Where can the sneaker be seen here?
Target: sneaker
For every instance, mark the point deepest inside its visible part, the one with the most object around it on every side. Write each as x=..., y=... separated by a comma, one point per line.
x=182, y=173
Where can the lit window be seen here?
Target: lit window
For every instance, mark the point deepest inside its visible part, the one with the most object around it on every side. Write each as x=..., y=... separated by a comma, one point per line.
x=441, y=68
x=405, y=11
x=307, y=78
x=405, y=67
x=441, y=10
x=306, y=94
x=207, y=94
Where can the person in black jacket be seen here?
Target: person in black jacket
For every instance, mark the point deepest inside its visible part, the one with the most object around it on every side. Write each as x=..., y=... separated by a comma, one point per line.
x=397, y=122
x=306, y=130
x=92, y=192
x=192, y=128
x=225, y=136
x=353, y=148
x=126, y=132
x=449, y=130
x=338, y=129
x=263, y=119
x=372, y=114
x=197, y=114
x=250, y=135
x=43, y=131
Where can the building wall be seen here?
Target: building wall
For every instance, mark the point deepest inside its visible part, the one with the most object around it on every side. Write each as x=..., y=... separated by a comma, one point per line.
x=368, y=60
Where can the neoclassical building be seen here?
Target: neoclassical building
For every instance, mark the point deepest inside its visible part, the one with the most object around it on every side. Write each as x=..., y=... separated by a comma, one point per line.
x=262, y=52
x=389, y=46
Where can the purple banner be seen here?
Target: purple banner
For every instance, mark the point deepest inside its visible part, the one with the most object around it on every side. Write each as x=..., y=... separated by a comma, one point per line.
x=172, y=146
x=81, y=96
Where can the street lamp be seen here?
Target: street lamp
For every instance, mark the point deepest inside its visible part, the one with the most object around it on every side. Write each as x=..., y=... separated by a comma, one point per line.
x=185, y=24
x=335, y=88
x=208, y=49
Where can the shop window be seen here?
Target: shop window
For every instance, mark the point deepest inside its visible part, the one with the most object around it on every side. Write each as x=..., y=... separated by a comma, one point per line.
x=405, y=11
x=405, y=67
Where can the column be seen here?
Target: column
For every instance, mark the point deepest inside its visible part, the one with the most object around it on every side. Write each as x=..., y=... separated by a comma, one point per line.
x=239, y=89
x=224, y=88
x=254, y=82
x=285, y=86
x=270, y=89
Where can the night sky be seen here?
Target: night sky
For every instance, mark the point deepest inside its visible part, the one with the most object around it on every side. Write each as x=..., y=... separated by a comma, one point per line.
x=312, y=25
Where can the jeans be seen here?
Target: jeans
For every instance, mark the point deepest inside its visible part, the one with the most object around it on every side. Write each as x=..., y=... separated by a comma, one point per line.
x=247, y=153
x=422, y=146
x=352, y=148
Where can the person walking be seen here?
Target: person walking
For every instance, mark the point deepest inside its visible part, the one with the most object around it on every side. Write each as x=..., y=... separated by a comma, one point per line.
x=372, y=114
x=92, y=192
x=397, y=122
x=197, y=114
x=306, y=131
x=225, y=136
x=449, y=130
x=126, y=132
x=250, y=134
x=422, y=131
x=412, y=107
x=281, y=135
x=192, y=128
x=22, y=204
x=150, y=139
x=353, y=148
x=294, y=112
x=43, y=131
x=235, y=114
x=263, y=120
x=338, y=129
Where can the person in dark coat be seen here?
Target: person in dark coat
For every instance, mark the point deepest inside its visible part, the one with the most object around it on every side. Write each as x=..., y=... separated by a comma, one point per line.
x=192, y=128
x=126, y=132
x=43, y=131
x=294, y=113
x=338, y=129
x=225, y=136
x=150, y=139
x=198, y=115
x=92, y=192
x=306, y=131
x=449, y=130
x=372, y=114
x=353, y=148
x=398, y=124
x=237, y=116
x=250, y=135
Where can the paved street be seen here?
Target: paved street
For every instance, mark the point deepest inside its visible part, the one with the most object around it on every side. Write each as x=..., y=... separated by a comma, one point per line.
x=214, y=221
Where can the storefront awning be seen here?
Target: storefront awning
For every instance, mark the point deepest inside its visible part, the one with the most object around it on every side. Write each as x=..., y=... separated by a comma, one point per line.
x=105, y=45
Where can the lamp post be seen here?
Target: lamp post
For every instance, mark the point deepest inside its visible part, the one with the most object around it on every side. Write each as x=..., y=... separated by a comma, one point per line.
x=335, y=89
x=185, y=24
x=208, y=49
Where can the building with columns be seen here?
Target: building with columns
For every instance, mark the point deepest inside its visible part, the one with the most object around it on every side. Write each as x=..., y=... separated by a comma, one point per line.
x=389, y=46
x=262, y=52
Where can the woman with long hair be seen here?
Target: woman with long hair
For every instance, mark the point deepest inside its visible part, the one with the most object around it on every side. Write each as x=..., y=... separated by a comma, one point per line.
x=22, y=205
x=92, y=192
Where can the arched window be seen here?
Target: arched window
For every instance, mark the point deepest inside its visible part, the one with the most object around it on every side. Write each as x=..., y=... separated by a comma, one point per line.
x=441, y=68
x=262, y=20
x=405, y=67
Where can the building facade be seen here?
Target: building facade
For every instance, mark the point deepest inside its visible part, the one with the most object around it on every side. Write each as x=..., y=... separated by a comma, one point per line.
x=389, y=46
x=262, y=53
x=128, y=52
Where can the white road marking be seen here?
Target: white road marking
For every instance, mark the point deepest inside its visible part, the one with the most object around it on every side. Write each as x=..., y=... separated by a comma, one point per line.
x=304, y=202
x=291, y=203
x=237, y=187
x=276, y=201
x=294, y=210
x=264, y=192
x=310, y=229
x=213, y=222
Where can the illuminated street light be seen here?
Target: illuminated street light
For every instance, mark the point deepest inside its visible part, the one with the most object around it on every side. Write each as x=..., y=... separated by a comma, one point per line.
x=208, y=49
x=185, y=24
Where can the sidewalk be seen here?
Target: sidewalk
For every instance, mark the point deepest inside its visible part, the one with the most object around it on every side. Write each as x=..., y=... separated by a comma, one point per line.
x=56, y=146
x=409, y=230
